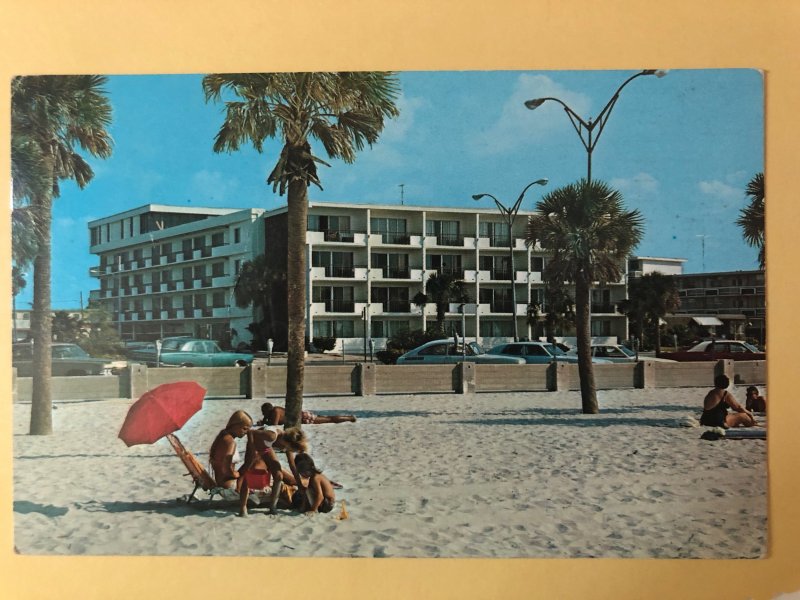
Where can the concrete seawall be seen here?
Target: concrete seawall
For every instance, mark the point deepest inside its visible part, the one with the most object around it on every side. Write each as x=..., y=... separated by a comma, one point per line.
x=365, y=379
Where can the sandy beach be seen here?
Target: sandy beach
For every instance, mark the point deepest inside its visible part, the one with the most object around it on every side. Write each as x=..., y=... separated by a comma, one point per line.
x=479, y=475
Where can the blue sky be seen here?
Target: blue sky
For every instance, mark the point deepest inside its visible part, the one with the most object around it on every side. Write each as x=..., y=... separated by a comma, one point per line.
x=680, y=149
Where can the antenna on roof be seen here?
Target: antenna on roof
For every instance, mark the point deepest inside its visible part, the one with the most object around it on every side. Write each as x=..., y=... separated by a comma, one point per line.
x=402, y=190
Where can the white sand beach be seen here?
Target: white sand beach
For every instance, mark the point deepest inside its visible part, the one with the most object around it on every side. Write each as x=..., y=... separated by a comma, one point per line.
x=480, y=475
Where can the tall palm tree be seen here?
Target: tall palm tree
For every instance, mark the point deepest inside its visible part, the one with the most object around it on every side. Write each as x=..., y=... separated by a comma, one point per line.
x=342, y=111
x=751, y=217
x=586, y=227
x=442, y=289
x=51, y=117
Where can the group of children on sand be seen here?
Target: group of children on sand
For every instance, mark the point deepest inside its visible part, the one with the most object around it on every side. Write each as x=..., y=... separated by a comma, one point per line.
x=302, y=487
x=719, y=400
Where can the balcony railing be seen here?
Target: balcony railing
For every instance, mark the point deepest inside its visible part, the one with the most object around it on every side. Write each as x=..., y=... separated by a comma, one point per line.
x=396, y=273
x=395, y=237
x=339, y=306
x=500, y=274
x=340, y=271
x=459, y=273
x=449, y=239
x=502, y=306
x=340, y=235
x=603, y=308
x=499, y=241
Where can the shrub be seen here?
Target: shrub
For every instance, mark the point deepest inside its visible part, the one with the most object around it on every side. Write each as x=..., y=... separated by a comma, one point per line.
x=324, y=343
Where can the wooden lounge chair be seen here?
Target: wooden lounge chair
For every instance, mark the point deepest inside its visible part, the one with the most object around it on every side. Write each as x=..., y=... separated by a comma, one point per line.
x=202, y=480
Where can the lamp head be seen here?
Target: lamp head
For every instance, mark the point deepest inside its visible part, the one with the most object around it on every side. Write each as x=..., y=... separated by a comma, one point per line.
x=478, y=196
x=657, y=72
x=535, y=103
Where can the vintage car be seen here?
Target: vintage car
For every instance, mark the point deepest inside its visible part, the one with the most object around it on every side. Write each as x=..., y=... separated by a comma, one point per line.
x=447, y=351
x=717, y=349
x=537, y=352
x=189, y=352
x=68, y=360
x=616, y=353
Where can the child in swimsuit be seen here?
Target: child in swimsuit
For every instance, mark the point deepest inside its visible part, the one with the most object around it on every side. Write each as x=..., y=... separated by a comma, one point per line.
x=318, y=495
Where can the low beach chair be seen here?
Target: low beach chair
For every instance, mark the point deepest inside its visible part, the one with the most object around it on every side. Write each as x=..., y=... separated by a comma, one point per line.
x=202, y=480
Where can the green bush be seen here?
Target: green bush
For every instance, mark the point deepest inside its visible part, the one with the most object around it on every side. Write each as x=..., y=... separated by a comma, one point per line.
x=324, y=343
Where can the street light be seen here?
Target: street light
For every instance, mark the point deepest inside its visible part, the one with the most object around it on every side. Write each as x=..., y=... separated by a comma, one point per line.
x=589, y=141
x=509, y=214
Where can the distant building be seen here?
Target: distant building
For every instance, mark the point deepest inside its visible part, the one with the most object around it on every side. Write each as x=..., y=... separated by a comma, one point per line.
x=170, y=270
x=736, y=299
x=730, y=304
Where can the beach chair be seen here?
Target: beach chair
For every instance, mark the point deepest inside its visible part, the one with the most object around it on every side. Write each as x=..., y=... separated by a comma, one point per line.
x=202, y=480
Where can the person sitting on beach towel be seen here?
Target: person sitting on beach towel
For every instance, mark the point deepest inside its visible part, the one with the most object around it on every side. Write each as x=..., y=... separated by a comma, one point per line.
x=276, y=415
x=223, y=452
x=716, y=404
x=755, y=402
x=262, y=444
x=317, y=495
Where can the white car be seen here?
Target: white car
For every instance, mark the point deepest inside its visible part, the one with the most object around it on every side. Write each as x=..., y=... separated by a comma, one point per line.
x=446, y=351
x=616, y=353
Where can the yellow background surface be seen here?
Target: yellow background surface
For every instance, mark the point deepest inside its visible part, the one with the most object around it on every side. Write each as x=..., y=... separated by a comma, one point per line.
x=194, y=36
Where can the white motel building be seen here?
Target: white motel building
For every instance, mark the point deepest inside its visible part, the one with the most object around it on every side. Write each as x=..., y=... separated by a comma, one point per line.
x=169, y=270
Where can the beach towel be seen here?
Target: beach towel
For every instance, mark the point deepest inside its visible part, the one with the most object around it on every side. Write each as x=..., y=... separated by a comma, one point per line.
x=718, y=433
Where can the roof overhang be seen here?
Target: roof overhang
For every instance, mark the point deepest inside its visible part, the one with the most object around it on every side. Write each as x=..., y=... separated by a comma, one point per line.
x=707, y=321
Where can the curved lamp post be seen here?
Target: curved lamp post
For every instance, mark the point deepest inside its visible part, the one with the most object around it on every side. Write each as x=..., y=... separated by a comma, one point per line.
x=509, y=214
x=585, y=128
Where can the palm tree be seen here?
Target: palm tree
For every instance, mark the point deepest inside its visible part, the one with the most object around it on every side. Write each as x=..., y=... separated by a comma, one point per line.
x=342, y=111
x=650, y=298
x=256, y=285
x=558, y=310
x=51, y=116
x=751, y=217
x=442, y=289
x=590, y=235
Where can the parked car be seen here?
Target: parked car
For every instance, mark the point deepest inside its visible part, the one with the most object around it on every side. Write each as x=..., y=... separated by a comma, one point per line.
x=68, y=360
x=190, y=352
x=615, y=353
x=537, y=352
x=447, y=351
x=717, y=349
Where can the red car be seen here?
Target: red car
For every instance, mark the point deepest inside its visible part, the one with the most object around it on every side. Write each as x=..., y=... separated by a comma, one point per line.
x=718, y=349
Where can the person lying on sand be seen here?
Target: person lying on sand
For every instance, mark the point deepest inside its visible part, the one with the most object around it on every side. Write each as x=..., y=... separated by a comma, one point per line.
x=716, y=404
x=223, y=449
x=264, y=442
x=317, y=495
x=755, y=402
x=276, y=415
x=254, y=475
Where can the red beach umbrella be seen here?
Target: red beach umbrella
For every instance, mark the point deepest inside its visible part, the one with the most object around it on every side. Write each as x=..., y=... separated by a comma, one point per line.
x=160, y=411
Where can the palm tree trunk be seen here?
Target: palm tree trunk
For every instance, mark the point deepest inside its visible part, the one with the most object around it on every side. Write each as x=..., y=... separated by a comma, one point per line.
x=42, y=393
x=584, y=335
x=297, y=201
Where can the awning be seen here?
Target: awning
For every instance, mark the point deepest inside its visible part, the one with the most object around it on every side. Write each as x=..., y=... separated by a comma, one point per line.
x=707, y=321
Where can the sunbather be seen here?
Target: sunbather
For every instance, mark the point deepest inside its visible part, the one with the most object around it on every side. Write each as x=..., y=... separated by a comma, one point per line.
x=317, y=495
x=223, y=449
x=754, y=401
x=716, y=404
x=263, y=443
x=276, y=415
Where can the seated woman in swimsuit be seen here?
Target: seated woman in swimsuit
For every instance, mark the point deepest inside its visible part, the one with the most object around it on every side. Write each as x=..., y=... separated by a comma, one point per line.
x=261, y=445
x=716, y=404
x=222, y=454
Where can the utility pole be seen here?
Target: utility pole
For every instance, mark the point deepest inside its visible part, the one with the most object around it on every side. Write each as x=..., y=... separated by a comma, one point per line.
x=402, y=194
